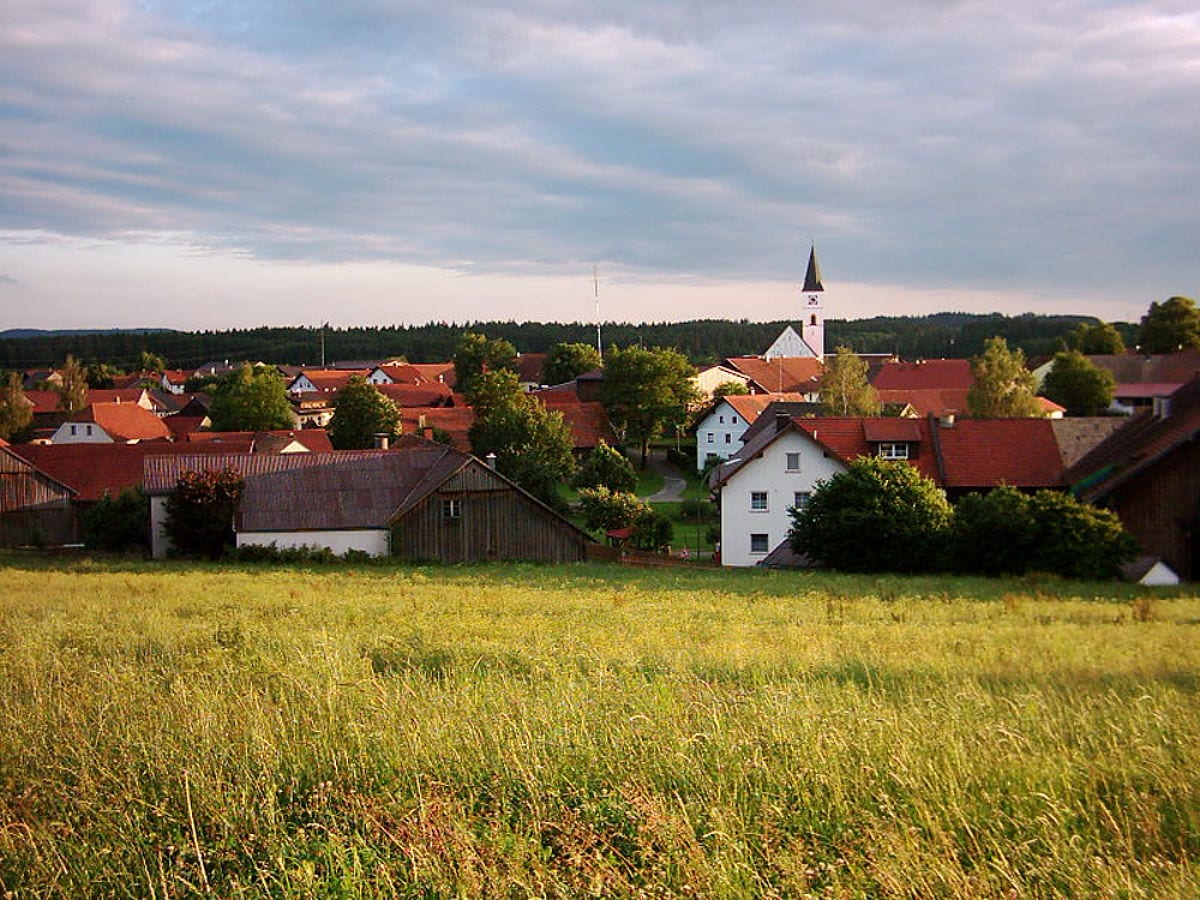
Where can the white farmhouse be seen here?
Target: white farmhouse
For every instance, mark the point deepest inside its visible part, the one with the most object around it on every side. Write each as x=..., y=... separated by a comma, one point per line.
x=720, y=428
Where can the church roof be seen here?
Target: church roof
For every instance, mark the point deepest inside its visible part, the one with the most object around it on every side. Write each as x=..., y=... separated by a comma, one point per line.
x=812, y=278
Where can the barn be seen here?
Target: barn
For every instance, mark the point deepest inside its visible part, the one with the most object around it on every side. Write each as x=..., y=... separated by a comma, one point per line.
x=34, y=507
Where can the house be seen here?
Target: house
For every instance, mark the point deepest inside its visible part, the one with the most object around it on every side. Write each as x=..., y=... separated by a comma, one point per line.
x=720, y=427
x=1148, y=472
x=710, y=378
x=588, y=421
x=306, y=440
x=529, y=370
x=35, y=507
x=322, y=381
x=1139, y=379
x=450, y=423
x=422, y=502
x=781, y=375
x=781, y=468
x=926, y=374
x=174, y=380
x=106, y=423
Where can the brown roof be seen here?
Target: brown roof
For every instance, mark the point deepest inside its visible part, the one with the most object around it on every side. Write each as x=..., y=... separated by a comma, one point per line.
x=456, y=421
x=315, y=440
x=1164, y=368
x=588, y=422
x=530, y=365
x=424, y=394
x=363, y=491
x=937, y=401
x=179, y=426
x=124, y=421
x=785, y=374
x=1140, y=443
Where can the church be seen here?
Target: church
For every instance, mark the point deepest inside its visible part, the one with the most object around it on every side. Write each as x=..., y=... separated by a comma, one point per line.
x=810, y=340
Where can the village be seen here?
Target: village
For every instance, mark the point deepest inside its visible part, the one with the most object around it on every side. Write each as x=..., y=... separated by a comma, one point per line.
x=431, y=469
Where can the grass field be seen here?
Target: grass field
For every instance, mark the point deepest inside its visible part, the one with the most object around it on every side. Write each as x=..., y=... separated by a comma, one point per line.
x=168, y=730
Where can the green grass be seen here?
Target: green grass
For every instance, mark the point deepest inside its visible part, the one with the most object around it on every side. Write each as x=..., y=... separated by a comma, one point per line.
x=175, y=729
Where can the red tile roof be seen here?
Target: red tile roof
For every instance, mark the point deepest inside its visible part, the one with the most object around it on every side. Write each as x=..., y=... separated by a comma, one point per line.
x=124, y=421
x=588, y=423
x=929, y=374
x=443, y=372
x=937, y=401
x=750, y=406
x=530, y=365
x=95, y=469
x=316, y=440
x=456, y=421
x=327, y=380
x=180, y=426
x=44, y=401
x=424, y=394
x=790, y=374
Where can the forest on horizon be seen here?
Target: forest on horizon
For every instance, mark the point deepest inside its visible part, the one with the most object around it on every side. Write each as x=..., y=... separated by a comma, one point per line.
x=940, y=335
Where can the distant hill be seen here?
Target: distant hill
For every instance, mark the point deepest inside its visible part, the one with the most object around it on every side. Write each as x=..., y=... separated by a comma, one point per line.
x=22, y=333
x=947, y=335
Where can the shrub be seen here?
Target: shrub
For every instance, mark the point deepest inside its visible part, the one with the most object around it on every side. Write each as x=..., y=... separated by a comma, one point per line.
x=696, y=510
x=605, y=510
x=606, y=467
x=651, y=530
x=118, y=525
x=993, y=533
x=200, y=512
x=877, y=516
x=1077, y=540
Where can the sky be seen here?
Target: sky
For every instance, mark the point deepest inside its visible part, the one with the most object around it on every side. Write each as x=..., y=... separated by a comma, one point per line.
x=212, y=163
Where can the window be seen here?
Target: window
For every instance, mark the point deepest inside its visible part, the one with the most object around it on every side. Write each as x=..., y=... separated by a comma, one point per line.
x=759, y=543
x=88, y=428
x=758, y=501
x=72, y=430
x=729, y=438
x=800, y=499
x=710, y=437
x=451, y=509
x=721, y=419
x=733, y=419
x=893, y=451
x=792, y=462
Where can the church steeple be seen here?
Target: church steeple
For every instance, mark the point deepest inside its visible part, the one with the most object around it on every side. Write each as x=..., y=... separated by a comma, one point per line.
x=812, y=278
x=814, y=316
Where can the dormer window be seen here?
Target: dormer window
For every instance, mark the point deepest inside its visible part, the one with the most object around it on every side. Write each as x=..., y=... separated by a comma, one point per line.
x=893, y=450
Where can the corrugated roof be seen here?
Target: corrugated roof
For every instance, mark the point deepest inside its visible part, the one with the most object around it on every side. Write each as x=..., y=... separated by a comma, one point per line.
x=160, y=472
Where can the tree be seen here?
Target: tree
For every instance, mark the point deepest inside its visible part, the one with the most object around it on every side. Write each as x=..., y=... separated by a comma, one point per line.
x=73, y=388
x=652, y=530
x=1170, y=326
x=606, y=467
x=101, y=375
x=1076, y=540
x=118, y=525
x=603, y=509
x=1003, y=387
x=532, y=444
x=565, y=362
x=729, y=389
x=844, y=387
x=1100, y=339
x=246, y=400
x=1076, y=383
x=16, y=412
x=475, y=354
x=646, y=392
x=360, y=412
x=877, y=516
x=993, y=533
x=200, y=512
x=150, y=362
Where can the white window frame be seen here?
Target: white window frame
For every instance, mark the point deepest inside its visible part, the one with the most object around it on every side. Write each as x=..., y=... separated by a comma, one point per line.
x=452, y=509
x=755, y=496
x=787, y=462
x=711, y=437
x=896, y=450
x=766, y=543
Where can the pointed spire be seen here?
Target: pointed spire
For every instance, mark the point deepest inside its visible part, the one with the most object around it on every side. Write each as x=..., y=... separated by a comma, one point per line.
x=812, y=278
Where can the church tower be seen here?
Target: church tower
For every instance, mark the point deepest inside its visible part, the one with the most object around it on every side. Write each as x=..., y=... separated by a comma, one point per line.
x=813, y=322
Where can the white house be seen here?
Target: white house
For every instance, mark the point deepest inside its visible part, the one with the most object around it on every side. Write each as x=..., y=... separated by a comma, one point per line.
x=710, y=378
x=720, y=429
x=778, y=471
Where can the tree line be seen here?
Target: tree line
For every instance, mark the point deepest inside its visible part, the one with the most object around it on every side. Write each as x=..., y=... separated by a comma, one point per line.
x=703, y=341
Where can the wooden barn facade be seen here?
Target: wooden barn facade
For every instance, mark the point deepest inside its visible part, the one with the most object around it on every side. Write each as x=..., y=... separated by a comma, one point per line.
x=477, y=515
x=34, y=508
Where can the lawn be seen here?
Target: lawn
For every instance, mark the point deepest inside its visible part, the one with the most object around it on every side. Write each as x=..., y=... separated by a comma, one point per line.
x=175, y=729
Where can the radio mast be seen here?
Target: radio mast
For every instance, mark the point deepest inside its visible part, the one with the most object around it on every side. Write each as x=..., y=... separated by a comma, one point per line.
x=596, y=289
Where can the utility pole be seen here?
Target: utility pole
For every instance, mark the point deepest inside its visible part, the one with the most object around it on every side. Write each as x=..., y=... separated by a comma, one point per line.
x=596, y=289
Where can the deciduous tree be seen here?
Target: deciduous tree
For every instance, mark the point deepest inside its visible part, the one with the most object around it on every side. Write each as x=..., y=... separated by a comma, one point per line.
x=606, y=467
x=200, y=512
x=729, y=389
x=16, y=411
x=844, y=387
x=1170, y=326
x=565, y=362
x=73, y=388
x=1003, y=388
x=1076, y=383
x=646, y=392
x=246, y=400
x=360, y=412
x=1099, y=339
x=476, y=354
x=532, y=444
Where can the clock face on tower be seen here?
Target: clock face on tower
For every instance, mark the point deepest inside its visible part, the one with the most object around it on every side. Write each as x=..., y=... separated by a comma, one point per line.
x=814, y=300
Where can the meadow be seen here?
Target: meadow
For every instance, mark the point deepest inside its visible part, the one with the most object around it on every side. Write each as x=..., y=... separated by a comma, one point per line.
x=531, y=731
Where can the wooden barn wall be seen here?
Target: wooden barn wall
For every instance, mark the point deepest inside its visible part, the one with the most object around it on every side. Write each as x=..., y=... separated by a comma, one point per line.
x=497, y=523
x=32, y=507
x=1161, y=508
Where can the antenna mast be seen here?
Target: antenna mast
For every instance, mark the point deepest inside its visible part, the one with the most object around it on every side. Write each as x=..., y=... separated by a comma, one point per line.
x=596, y=289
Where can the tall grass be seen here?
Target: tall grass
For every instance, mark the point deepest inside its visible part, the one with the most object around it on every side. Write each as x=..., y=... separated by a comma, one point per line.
x=567, y=731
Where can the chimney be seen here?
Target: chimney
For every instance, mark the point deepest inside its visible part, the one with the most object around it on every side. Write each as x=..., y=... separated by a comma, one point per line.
x=781, y=421
x=381, y=440
x=490, y=459
x=946, y=420
x=421, y=422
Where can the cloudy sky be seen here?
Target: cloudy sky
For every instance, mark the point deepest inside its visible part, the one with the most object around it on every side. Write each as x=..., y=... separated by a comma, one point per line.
x=216, y=163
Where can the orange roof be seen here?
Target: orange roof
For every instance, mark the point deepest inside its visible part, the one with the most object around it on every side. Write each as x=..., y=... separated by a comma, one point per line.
x=800, y=374
x=588, y=423
x=927, y=374
x=443, y=371
x=330, y=379
x=184, y=425
x=316, y=440
x=403, y=373
x=750, y=406
x=422, y=394
x=124, y=421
